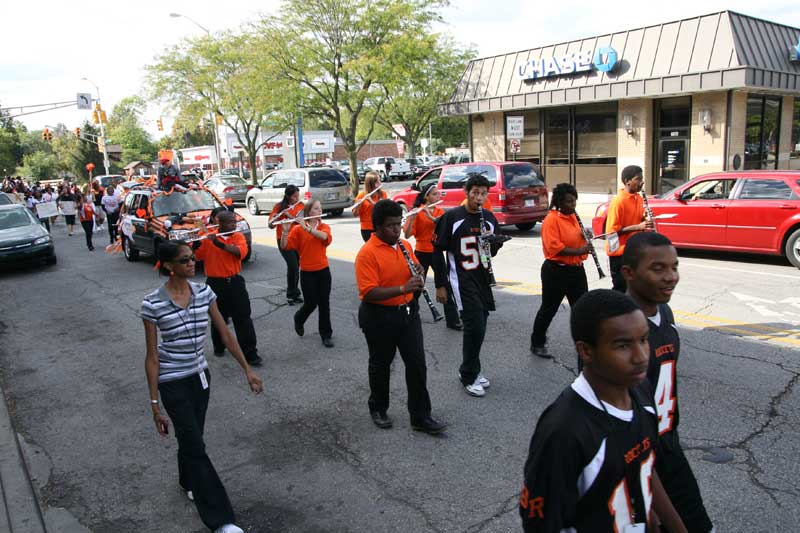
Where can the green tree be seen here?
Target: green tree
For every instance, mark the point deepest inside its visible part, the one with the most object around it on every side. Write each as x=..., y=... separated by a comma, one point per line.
x=448, y=132
x=228, y=76
x=8, y=151
x=124, y=128
x=337, y=52
x=424, y=77
x=40, y=165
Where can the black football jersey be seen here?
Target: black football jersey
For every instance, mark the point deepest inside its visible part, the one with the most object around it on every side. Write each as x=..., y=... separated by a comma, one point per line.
x=457, y=233
x=588, y=470
x=665, y=345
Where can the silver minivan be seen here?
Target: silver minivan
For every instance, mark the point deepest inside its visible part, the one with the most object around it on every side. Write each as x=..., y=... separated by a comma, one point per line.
x=330, y=186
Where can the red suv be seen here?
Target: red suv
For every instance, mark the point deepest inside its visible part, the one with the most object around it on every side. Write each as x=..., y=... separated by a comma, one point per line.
x=517, y=193
x=755, y=211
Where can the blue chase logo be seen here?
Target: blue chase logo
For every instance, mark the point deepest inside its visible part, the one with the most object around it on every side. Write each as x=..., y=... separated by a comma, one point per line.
x=603, y=59
x=794, y=52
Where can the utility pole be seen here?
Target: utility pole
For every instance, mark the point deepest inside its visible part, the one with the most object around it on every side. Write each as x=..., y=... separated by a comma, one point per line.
x=100, y=117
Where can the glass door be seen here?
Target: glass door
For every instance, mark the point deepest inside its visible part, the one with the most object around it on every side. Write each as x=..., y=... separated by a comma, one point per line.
x=672, y=157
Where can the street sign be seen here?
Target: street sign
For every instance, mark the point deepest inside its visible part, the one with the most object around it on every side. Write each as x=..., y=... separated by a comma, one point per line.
x=400, y=129
x=514, y=127
x=515, y=146
x=84, y=101
x=401, y=147
x=423, y=143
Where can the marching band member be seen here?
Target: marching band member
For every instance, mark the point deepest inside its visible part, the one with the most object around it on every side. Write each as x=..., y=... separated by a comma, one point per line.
x=222, y=257
x=421, y=226
x=389, y=318
x=364, y=211
x=310, y=238
x=288, y=208
x=565, y=250
x=180, y=311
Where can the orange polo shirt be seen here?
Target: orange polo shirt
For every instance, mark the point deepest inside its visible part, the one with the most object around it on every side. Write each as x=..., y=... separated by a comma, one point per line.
x=561, y=231
x=293, y=212
x=422, y=228
x=625, y=209
x=312, y=251
x=381, y=265
x=365, y=209
x=220, y=263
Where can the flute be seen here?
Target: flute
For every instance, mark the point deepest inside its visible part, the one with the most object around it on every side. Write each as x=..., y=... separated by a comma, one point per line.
x=648, y=210
x=435, y=312
x=591, y=247
x=207, y=235
x=418, y=210
x=283, y=213
x=358, y=203
x=298, y=219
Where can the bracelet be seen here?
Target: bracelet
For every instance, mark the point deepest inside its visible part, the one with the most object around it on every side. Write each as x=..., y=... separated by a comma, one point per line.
x=153, y=402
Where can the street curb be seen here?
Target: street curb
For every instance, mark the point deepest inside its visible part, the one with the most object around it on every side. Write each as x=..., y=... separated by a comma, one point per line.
x=20, y=511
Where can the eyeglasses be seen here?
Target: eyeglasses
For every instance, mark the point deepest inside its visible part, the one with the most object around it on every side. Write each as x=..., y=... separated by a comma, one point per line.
x=187, y=260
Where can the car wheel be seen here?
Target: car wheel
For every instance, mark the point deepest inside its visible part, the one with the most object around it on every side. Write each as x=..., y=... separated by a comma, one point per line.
x=526, y=227
x=249, y=253
x=52, y=260
x=130, y=253
x=252, y=206
x=792, y=249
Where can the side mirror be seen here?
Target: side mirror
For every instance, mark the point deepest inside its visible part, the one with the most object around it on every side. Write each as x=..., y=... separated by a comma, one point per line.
x=414, y=186
x=260, y=187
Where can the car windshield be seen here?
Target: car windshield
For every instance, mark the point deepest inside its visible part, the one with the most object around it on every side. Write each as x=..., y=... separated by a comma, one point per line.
x=183, y=202
x=460, y=173
x=326, y=179
x=521, y=176
x=15, y=218
x=233, y=182
x=5, y=199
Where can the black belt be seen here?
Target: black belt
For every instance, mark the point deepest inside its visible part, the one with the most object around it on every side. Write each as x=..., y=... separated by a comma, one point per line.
x=229, y=279
x=562, y=265
x=406, y=309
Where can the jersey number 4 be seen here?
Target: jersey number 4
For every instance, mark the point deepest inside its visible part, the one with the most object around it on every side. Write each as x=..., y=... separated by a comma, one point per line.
x=665, y=396
x=470, y=253
x=619, y=505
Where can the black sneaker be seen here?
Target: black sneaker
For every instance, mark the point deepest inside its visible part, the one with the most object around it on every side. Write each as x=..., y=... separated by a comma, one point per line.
x=458, y=326
x=255, y=361
x=297, y=299
x=381, y=419
x=428, y=425
x=219, y=353
x=298, y=328
x=327, y=342
x=541, y=351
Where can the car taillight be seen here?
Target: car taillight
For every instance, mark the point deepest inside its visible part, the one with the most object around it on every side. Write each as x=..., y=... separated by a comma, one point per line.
x=307, y=195
x=227, y=189
x=249, y=187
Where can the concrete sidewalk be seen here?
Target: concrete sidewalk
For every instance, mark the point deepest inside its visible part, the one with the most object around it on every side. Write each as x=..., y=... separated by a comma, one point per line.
x=20, y=511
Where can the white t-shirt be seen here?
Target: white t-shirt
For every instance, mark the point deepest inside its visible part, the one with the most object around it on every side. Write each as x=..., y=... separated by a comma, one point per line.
x=110, y=202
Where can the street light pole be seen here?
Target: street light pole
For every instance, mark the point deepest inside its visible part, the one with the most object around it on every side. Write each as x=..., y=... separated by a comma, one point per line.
x=102, y=128
x=213, y=93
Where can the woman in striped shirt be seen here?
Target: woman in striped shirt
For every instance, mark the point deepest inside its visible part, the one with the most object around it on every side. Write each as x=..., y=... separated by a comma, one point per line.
x=179, y=310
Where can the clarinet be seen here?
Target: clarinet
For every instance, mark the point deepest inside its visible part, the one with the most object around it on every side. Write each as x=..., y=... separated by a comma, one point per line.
x=486, y=252
x=591, y=248
x=648, y=210
x=435, y=312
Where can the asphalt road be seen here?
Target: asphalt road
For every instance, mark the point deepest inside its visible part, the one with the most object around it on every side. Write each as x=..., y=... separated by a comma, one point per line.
x=304, y=456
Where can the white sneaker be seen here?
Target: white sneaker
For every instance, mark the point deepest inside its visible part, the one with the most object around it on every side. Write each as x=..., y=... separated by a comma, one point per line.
x=485, y=383
x=190, y=495
x=229, y=528
x=475, y=389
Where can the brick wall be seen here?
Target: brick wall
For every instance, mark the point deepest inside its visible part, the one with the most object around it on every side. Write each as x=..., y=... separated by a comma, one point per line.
x=785, y=135
x=488, y=136
x=636, y=148
x=707, y=148
x=738, y=123
x=380, y=149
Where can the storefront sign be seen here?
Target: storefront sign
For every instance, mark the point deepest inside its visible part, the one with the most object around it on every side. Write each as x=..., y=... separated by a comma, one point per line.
x=794, y=52
x=603, y=59
x=515, y=127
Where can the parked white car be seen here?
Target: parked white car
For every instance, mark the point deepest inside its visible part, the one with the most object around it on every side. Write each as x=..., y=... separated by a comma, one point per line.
x=400, y=169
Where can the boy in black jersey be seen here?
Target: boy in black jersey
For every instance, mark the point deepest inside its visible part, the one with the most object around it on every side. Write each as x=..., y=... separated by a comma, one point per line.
x=458, y=234
x=590, y=466
x=650, y=267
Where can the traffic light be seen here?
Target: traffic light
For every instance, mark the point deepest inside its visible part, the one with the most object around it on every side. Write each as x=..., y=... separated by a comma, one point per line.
x=100, y=144
x=95, y=117
x=103, y=118
x=47, y=135
x=219, y=120
x=78, y=133
x=160, y=124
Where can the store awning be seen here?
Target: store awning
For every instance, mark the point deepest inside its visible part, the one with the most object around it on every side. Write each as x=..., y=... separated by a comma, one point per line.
x=724, y=50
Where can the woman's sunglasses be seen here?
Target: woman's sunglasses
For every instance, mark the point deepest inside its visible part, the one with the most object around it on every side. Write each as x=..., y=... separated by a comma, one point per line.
x=187, y=260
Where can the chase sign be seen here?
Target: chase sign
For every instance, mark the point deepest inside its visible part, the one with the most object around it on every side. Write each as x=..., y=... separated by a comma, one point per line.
x=603, y=59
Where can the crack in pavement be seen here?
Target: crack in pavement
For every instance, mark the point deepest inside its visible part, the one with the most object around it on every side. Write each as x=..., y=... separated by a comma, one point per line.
x=708, y=301
x=506, y=506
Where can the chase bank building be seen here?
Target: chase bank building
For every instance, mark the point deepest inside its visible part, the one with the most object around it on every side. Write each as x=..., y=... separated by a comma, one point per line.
x=680, y=99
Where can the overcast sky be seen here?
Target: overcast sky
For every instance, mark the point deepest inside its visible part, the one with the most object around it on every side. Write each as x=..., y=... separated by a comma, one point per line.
x=48, y=46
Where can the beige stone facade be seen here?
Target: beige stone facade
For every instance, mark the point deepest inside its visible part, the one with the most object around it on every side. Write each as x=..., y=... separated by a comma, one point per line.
x=636, y=147
x=785, y=135
x=707, y=146
x=488, y=136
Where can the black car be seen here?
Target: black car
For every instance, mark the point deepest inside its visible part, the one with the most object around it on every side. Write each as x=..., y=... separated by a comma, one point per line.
x=418, y=168
x=23, y=238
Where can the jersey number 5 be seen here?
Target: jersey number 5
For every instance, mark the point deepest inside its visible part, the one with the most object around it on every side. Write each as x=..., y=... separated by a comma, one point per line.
x=469, y=251
x=665, y=396
x=619, y=505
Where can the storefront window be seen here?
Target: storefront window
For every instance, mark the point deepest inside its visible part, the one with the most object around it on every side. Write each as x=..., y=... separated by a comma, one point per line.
x=674, y=117
x=596, y=147
x=794, y=153
x=761, y=133
x=556, y=145
x=529, y=149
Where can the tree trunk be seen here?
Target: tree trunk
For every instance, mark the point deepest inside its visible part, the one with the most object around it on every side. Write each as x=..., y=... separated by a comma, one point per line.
x=252, y=157
x=412, y=146
x=351, y=155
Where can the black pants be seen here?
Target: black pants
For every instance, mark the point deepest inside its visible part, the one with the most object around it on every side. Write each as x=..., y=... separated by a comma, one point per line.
x=234, y=302
x=617, y=280
x=88, y=226
x=557, y=282
x=680, y=484
x=450, y=308
x=292, y=260
x=46, y=222
x=387, y=330
x=366, y=234
x=186, y=403
x=111, y=220
x=316, y=294
x=474, y=320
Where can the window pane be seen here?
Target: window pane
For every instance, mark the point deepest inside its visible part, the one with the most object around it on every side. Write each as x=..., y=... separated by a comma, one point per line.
x=557, y=136
x=753, y=149
x=596, y=147
x=326, y=179
x=772, y=115
x=709, y=190
x=529, y=149
x=765, y=190
x=456, y=176
x=521, y=176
